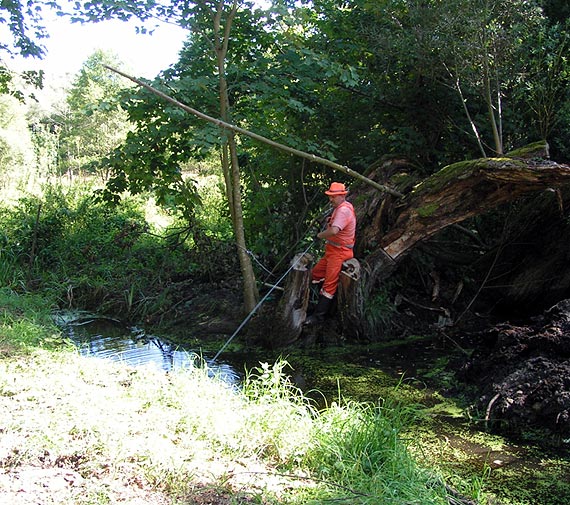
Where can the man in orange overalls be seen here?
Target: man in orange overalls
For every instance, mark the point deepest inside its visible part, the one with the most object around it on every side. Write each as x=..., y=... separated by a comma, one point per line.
x=339, y=237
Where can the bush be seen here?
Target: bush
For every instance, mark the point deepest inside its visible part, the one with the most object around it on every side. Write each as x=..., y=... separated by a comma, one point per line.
x=90, y=255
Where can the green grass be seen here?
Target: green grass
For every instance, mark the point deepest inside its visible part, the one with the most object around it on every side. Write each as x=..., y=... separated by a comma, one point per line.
x=99, y=432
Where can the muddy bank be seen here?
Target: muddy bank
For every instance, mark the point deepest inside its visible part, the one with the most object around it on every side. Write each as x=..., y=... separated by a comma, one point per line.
x=522, y=373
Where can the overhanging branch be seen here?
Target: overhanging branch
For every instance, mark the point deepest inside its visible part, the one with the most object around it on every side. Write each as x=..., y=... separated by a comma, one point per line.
x=260, y=138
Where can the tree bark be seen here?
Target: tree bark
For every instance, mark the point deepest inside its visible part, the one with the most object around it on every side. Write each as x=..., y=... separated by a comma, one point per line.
x=350, y=300
x=464, y=190
x=230, y=164
x=283, y=324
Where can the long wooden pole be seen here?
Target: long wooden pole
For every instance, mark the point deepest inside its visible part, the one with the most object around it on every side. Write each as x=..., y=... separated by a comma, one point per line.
x=265, y=140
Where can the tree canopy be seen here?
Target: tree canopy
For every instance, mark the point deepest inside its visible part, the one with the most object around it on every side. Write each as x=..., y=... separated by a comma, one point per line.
x=93, y=123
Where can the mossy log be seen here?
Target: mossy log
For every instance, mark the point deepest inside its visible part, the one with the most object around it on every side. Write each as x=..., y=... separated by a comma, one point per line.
x=464, y=190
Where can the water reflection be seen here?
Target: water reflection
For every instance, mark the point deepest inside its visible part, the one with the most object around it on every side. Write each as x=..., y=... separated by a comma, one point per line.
x=109, y=339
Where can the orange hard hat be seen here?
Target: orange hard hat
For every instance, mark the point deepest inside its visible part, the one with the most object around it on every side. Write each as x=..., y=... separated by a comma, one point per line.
x=336, y=188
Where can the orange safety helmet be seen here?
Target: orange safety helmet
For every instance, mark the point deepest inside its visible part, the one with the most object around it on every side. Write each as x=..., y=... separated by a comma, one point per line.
x=336, y=188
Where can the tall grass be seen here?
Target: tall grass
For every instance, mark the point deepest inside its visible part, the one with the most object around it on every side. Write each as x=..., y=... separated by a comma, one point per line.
x=26, y=324
x=85, y=253
x=169, y=438
x=348, y=452
x=11, y=275
x=111, y=259
x=358, y=447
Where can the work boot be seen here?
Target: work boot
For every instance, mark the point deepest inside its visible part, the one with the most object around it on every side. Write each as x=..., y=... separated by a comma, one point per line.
x=320, y=312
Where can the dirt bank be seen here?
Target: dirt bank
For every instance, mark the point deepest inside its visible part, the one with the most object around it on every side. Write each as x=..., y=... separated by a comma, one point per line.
x=522, y=373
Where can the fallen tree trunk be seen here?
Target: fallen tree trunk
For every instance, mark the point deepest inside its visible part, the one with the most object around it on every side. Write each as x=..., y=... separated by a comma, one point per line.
x=464, y=190
x=455, y=193
x=390, y=228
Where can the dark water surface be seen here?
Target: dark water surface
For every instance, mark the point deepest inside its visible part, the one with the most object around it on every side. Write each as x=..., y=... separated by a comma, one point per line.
x=107, y=338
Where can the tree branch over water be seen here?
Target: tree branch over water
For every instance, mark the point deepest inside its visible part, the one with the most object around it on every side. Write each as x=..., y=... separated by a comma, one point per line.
x=260, y=138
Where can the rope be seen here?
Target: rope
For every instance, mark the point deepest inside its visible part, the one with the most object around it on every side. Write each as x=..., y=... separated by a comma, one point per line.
x=260, y=303
x=322, y=215
x=252, y=255
x=270, y=273
x=328, y=209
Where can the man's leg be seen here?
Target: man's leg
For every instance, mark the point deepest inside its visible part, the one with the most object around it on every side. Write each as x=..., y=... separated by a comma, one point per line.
x=318, y=275
x=332, y=267
x=320, y=312
x=335, y=260
x=319, y=270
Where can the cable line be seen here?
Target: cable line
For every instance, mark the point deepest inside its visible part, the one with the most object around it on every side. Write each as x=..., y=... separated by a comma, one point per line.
x=260, y=303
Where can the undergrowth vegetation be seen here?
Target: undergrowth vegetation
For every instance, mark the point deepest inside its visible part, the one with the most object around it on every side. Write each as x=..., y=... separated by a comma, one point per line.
x=82, y=252
x=83, y=431
x=114, y=433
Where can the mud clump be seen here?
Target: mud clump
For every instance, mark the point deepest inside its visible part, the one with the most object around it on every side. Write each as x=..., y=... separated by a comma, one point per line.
x=523, y=373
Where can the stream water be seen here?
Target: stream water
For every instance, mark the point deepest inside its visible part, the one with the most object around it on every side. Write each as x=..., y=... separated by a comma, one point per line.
x=517, y=473
x=107, y=338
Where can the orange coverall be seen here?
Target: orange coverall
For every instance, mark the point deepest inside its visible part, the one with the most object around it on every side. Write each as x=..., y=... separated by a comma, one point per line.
x=337, y=250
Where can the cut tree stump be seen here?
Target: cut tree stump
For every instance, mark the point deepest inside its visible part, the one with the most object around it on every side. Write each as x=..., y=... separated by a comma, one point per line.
x=350, y=304
x=291, y=312
x=285, y=325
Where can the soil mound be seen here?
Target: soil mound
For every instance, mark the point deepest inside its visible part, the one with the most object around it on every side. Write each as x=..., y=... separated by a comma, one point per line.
x=523, y=372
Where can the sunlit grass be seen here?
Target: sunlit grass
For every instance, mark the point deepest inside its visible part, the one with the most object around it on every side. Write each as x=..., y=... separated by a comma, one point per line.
x=171, y=432
x=155, y=216
x=158, y=436
x=25, y=322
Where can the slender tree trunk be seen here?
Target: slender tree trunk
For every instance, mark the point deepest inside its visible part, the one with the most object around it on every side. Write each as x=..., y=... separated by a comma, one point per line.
x=230, y=163
x=489, y=101
x=455, y=77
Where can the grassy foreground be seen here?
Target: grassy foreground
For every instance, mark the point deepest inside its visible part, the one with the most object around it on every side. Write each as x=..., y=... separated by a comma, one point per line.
x=78, y=430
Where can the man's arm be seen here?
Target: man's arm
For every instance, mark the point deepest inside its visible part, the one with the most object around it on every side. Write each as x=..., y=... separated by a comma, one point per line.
x=331, y=231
